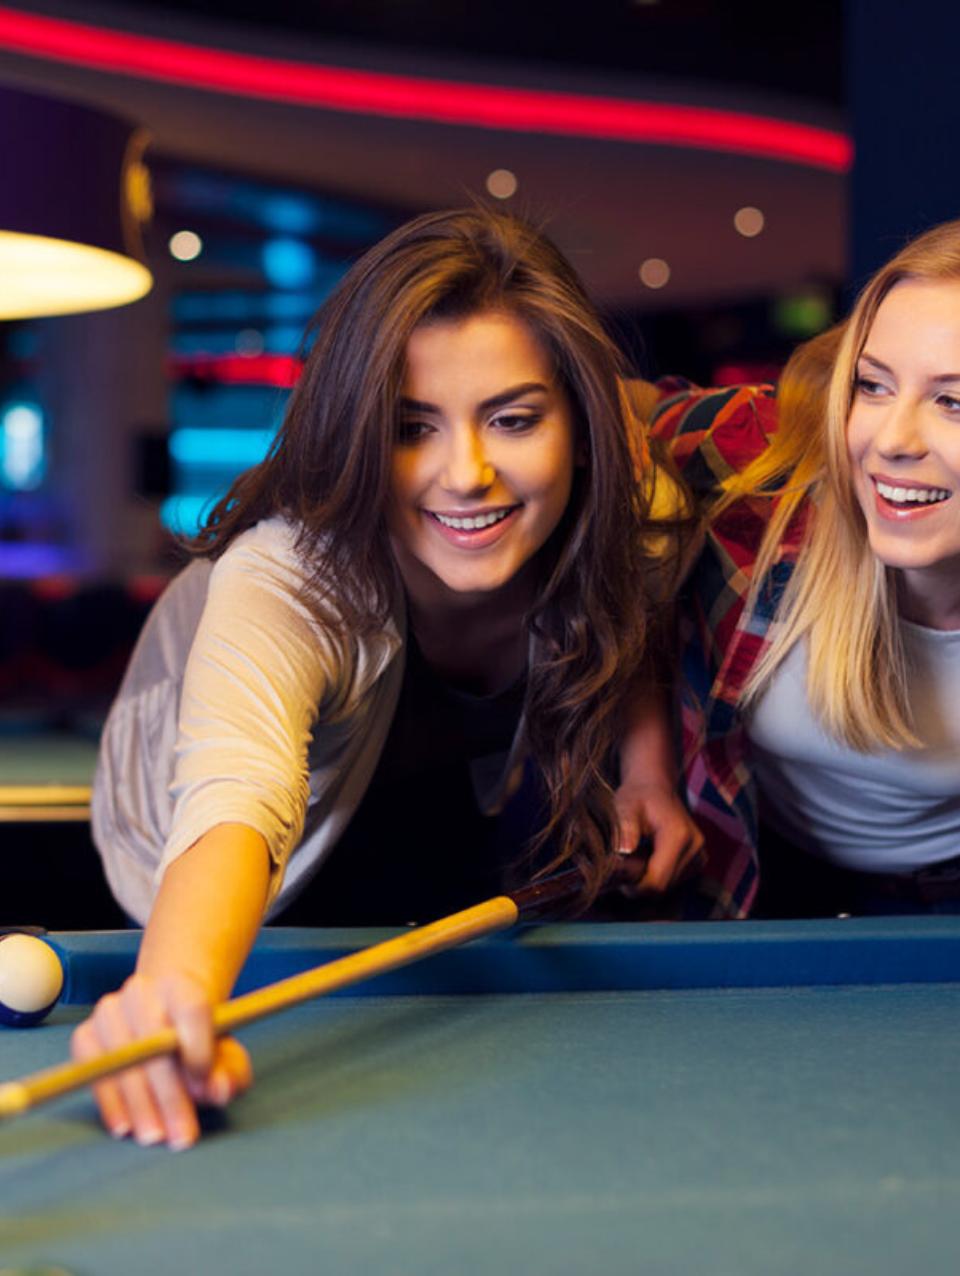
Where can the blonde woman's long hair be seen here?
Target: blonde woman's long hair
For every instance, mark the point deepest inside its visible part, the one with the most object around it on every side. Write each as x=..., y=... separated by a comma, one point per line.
x=840, y=597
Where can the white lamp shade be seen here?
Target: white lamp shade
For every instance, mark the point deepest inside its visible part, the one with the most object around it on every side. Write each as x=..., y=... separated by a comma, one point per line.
x=74, y=195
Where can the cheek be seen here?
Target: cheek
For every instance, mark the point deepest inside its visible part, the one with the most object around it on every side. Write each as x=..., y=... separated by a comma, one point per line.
x=560, y=463
x=949, y=452
x=554, y=510
x=856, y=442
x=397, y=508
x=556, y=484
x=403, y=475
x=859, y=442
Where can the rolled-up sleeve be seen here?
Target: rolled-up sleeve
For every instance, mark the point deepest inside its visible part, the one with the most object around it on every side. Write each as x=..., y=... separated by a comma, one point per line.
x=261, y=667
x=214, y=719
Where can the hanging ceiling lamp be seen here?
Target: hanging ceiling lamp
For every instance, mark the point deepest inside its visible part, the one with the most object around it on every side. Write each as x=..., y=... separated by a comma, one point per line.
x=74, y=196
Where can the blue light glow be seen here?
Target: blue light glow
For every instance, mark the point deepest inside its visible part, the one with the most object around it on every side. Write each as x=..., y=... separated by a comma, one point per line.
x=184, y=514
x=289, y=213
x=227, y=407
x=289, y=263
x=236, y=448
x=22, y=453
x=245, y=308
x=276, y=340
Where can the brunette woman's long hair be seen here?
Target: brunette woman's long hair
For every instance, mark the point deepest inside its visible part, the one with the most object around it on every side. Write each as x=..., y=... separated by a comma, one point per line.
x=329, y=471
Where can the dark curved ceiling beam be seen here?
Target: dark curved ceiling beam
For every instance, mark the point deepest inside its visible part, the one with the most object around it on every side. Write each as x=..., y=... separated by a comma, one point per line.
x=418, y=98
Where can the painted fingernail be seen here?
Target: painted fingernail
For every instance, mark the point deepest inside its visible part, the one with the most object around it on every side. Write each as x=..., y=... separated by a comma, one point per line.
x=150, y=1136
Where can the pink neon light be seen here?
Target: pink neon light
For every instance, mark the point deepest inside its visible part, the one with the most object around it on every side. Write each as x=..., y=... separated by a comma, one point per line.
x=407, y=97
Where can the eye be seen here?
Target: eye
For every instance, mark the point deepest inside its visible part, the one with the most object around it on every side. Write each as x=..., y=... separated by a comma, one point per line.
x=868, y=388
x=950, y=404
x=410, y=430
x=516, y=422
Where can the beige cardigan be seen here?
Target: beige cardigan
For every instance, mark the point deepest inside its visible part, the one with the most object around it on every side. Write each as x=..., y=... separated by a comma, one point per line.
x=214, y=722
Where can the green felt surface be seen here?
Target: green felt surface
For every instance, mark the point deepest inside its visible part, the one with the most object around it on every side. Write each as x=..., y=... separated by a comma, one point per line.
x=775, y=1131
x=47, y=758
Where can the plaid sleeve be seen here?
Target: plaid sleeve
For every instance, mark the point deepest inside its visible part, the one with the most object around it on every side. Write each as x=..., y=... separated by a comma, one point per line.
x=712, y=434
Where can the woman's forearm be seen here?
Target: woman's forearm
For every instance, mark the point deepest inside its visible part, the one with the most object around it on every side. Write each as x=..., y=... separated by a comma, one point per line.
x=647, y=749
x=209, y=909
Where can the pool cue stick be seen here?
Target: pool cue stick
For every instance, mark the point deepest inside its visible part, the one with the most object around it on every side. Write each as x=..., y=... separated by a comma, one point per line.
x=499, y=913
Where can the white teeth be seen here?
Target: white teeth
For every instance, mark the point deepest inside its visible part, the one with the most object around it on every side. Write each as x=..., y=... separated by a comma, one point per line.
x=473, y=524
x=905, y=495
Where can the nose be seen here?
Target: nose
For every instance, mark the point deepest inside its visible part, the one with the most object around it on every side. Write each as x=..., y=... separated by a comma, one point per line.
x=467, y=469
x=901, y=431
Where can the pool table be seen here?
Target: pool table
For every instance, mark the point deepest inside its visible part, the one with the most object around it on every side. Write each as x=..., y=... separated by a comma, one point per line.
x=45, y=775
x=717, y=1099
x=52, y=875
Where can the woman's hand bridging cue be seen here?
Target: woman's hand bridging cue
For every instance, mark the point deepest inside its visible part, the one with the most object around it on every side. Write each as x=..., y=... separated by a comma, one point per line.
x=157, y=1102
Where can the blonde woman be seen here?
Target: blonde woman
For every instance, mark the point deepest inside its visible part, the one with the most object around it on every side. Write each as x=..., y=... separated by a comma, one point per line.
x=821, y=662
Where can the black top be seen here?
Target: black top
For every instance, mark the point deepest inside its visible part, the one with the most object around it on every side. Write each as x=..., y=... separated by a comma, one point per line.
x=419, y=846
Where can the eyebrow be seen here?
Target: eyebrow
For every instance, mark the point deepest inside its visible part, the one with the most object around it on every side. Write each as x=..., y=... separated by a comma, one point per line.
x=874, y=363
x=943, y=379
x=494, y=401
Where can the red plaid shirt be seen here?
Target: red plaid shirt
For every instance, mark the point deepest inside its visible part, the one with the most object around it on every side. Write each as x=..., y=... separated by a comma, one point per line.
x=712, y=434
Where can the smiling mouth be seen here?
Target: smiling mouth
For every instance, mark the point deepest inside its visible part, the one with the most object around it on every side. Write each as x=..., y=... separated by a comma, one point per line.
x=471, y=522
x=911, y=495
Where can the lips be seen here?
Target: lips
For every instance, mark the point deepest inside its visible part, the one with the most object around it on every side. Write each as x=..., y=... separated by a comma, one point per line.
x=898, y=494
x=477, y=529
x=470, y=522
x=898, y=501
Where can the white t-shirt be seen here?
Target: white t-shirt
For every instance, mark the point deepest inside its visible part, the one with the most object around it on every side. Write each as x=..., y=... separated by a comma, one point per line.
x=889, y=812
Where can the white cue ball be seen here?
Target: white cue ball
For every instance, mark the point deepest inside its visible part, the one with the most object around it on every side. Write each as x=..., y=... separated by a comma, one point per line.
x=31, y=980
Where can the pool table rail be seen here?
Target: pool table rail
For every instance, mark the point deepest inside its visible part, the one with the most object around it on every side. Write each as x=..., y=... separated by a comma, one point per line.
x=583, y=957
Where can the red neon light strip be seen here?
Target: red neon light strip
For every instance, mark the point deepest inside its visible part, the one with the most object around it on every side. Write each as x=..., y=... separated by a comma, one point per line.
x=407, y=97
x=236, y=369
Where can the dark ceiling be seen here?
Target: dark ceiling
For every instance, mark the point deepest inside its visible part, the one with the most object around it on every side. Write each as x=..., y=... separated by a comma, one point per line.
x=610, y=204
x=780, y=46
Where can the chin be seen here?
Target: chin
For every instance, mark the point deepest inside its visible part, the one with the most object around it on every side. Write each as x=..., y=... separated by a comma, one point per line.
x=899, y=561
x=474, y=588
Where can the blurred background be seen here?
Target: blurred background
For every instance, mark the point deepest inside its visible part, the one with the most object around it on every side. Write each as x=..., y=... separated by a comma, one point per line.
x=722, y=175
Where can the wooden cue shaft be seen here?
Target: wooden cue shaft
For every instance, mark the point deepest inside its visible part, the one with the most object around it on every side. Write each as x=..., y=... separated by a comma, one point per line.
x=499, y=913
